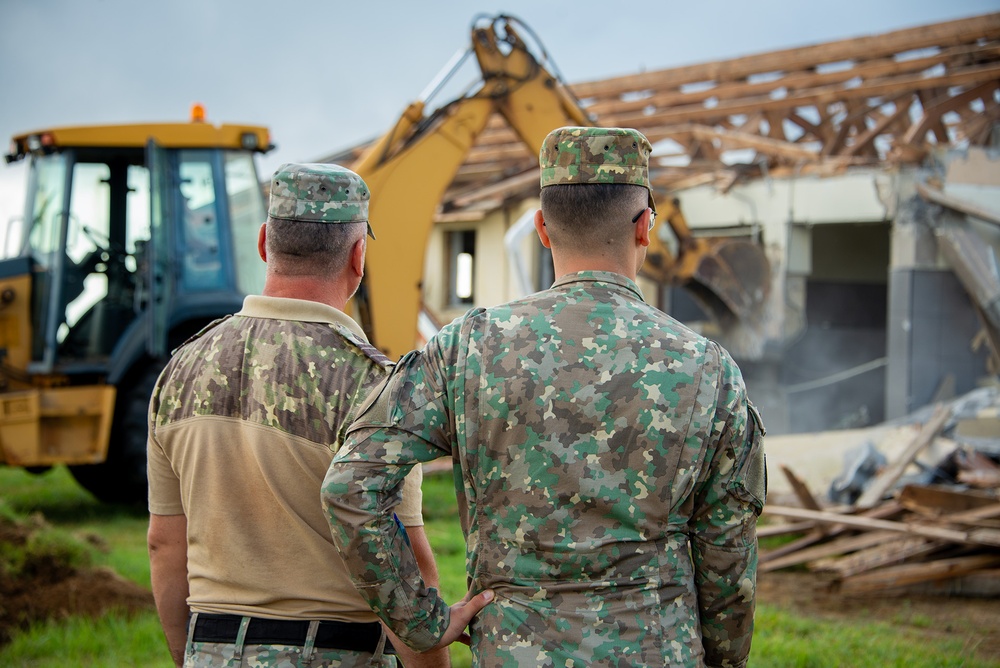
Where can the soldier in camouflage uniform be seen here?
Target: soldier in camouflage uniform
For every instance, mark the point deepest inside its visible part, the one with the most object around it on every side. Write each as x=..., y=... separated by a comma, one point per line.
x=608, y=462
x=243, y=423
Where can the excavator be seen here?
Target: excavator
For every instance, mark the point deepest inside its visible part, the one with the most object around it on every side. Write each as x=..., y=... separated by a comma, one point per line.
x=411, y=166
x=136, y=236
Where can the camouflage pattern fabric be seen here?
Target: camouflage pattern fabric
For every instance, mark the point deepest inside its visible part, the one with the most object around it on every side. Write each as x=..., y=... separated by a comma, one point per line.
x=288, y=391
x=578, y=155
x=319, y=193
x=287, y=376
x=219, y=655
x=610, y=473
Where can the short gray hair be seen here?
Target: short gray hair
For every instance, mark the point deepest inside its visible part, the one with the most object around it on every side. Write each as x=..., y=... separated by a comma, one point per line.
x=310, y=249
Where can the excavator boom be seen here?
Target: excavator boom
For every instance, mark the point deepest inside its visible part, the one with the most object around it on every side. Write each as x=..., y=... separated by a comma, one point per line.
x=411, y=166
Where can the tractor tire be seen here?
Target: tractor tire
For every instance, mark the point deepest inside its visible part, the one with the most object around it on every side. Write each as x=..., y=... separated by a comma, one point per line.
x=121, y=478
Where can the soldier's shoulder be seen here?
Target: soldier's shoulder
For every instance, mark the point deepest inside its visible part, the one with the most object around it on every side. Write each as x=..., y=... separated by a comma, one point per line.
x=202, y=332
x=366, y=350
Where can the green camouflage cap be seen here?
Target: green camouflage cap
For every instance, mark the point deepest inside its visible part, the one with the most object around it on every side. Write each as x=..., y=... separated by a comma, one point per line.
x=319, y=193
x=574, y=155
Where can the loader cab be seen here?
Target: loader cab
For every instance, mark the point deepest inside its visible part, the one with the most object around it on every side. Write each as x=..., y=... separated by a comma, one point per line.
x=126, y=243
x=134, y=237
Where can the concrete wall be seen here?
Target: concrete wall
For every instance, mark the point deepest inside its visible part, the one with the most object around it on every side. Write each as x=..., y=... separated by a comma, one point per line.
x=933, y=322
x=932, y=325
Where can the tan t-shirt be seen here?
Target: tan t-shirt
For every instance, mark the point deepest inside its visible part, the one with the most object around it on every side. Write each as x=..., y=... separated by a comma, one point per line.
x=243, y=424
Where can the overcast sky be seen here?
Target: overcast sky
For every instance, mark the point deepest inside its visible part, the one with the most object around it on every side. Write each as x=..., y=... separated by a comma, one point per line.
x=326, y=75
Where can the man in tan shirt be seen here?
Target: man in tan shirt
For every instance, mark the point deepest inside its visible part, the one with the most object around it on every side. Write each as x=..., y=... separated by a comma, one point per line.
x=243, y=424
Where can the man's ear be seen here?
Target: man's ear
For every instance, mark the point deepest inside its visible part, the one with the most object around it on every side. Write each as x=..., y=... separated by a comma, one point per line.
x=543, y=234
x=358, y=257
x=642, y=230
x=262, y=242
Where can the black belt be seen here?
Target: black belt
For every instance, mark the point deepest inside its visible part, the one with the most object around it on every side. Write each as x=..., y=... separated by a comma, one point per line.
x=354, y=637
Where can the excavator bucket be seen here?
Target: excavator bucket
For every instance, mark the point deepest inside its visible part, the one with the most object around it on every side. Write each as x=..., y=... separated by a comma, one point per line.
x=729, y=276
x=732, y=278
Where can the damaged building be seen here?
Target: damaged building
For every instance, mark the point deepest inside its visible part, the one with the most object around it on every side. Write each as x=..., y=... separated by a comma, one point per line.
x=840, y=202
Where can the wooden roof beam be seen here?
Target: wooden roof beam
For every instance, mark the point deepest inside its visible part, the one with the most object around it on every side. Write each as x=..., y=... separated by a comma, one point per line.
x=817, y=132
x=980, y=129
x=774, y=147
x=969, y=76
x=864, y=141
x=938, y=108
x=500, y=190
x=946, y=34
x=866, y=70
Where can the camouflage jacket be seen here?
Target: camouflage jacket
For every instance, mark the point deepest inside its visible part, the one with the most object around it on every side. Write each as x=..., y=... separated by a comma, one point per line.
x=610, y=473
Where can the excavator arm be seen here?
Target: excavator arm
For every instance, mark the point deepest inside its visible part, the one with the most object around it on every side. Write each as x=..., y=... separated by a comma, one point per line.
x=409, y=169
x=411, y=166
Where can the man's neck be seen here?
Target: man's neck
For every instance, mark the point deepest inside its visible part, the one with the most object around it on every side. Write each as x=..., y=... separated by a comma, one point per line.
x=324, y=291
x=565, y=266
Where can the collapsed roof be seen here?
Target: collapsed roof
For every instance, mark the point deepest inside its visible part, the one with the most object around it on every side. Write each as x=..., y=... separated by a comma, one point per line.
x=873, y=100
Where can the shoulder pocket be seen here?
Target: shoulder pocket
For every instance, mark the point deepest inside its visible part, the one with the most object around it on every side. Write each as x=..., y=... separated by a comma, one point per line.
x=375, y=409
x=752, y=467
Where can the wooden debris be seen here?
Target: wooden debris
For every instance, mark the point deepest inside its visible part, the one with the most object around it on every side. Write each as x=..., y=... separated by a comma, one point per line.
x=884, y=482
x=773, y=557
x=839, y=546
x=783, y=528
x=907, y=574
x=937, y=500
x=885, y=553
x=817, y=531
x=931, y=539
x=977, y=470
x=801, y=490
x=974, y=537
x=980, y=584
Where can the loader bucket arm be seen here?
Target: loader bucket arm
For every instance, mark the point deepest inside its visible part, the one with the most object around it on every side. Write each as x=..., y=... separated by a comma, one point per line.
x=407, y=179
x=532, y=100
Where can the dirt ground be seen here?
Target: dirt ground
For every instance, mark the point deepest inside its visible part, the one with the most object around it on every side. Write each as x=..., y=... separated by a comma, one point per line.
x=975, y=620
x=48, y=588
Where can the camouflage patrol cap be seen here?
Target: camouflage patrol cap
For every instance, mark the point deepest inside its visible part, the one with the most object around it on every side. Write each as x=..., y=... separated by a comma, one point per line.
x=319, y=193
x=573, y=155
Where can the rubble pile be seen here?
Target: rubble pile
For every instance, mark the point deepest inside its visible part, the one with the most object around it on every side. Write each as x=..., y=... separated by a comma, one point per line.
x=902, y=525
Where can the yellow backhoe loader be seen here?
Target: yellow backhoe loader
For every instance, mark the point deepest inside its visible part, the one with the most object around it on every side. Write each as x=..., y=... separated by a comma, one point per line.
x=133, y=238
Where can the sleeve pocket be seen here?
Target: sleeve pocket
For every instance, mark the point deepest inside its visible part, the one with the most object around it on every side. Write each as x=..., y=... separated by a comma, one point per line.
x=751, y=479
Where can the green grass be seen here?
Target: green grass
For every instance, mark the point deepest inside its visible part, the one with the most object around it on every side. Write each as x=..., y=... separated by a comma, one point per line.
x=783, y=639
x=445, y=535
x=117, y=532
x=45, y=544
x=115, y=537
x=112, y=641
